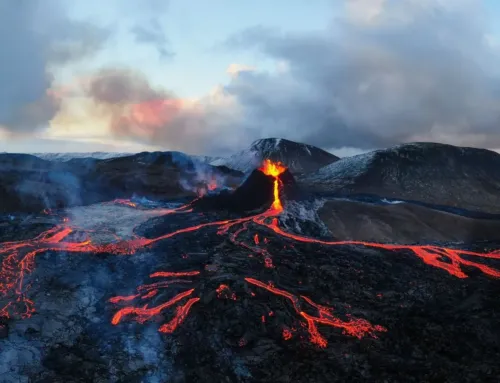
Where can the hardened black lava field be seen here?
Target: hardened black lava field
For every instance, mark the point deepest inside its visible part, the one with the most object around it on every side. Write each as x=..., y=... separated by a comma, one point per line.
x=199, y=292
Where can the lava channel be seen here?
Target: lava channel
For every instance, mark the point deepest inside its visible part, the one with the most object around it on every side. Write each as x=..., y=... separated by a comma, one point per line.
x=144, y=313
x=353, y=327
x=19, y=261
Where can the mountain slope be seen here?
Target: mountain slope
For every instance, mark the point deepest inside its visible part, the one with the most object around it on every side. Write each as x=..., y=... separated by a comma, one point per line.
x=433, y=173
x=31, y=184
x=64, y=157
x=299, y=158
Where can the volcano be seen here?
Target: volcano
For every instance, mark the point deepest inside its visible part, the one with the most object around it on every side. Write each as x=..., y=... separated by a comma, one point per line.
x=257, y=192
x=232, y=287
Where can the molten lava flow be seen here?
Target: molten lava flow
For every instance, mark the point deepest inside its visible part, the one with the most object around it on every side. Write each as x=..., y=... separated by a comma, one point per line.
x=180, y=316
x=353, y=327
x=18, y=261
x=125, y=202
x=174, y=274
x=256, y=239
x=224, y=292
x=272, y=169
x=287, y=334
x=143, y=313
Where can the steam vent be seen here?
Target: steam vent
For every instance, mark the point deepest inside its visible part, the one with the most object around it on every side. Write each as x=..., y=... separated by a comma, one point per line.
x=261, y=190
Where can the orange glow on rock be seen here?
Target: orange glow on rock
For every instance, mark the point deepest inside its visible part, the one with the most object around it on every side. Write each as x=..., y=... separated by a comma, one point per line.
x=287, y=334
x=180, y=315
x=353, y=327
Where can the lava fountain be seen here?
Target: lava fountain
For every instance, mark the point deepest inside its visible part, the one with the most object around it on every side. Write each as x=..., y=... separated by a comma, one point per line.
x=274, y=170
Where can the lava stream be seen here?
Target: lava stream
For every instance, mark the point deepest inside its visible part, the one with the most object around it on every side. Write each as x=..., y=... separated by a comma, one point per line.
x=142, y=314
x=353, y=327
x=19, y=261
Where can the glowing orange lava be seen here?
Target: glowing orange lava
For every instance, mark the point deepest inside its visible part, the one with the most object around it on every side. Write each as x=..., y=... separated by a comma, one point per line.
x=212, y=185
x=287, y=334
x=353, y=327
x=143, y=313
x=18, y=261
x=125, y=202
x=274, y=169
x=224, y=292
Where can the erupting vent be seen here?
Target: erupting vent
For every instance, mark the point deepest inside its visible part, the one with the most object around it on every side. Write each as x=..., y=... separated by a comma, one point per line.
x=18, y=261
x=261, y=189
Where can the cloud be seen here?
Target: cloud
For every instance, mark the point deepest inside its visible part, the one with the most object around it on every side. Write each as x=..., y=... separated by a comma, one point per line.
x=135, y=110
x=146, y=26
x=153, y=34
x=34, y=36
x=398, y=71
x=235, y=69
x=364, y=10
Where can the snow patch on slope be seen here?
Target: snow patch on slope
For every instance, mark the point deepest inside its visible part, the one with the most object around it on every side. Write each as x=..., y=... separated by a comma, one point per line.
x=244, y=161
x=63, y=157
x=345, y=168
x=296, y=156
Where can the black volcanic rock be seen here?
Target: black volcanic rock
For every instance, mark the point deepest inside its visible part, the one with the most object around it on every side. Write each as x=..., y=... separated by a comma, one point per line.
x=440, y=328
x=256, y=192
x=434, y=173
x=297, y=157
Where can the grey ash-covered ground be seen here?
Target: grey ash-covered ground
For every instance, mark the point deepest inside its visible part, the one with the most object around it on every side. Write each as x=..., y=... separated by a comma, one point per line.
x=439, y=328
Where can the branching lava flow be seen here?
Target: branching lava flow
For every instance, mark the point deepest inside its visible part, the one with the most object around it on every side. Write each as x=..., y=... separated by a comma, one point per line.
x=18, y=261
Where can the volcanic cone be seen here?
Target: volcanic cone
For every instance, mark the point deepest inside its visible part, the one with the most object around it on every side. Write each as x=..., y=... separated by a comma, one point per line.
x=255, y=193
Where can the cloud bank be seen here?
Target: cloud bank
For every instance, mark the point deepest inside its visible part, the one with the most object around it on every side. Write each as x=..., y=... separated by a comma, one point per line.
x=35, y=35
x=38, y=38
x=393, y=72
x=385, y=72
x=401, y=72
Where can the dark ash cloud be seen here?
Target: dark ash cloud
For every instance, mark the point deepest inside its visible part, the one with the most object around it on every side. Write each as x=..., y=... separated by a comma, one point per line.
x=417, y=71
x=35, y=35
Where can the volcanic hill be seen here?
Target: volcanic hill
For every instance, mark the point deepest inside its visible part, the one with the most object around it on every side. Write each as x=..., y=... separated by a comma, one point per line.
x=255, y=193
x=439, y=174
x=297, y=157
x=31, y=184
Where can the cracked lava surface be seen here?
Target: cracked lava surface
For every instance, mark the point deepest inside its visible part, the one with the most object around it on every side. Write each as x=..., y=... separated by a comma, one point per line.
x=18, y=261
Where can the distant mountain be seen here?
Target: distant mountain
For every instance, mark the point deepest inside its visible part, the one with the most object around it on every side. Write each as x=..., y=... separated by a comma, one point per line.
x=299, y=158
x=63, y=157
x=31, y=184
x=429, y=172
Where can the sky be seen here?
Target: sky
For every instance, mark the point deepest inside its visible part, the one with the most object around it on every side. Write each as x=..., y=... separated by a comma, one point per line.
x=211, y=76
